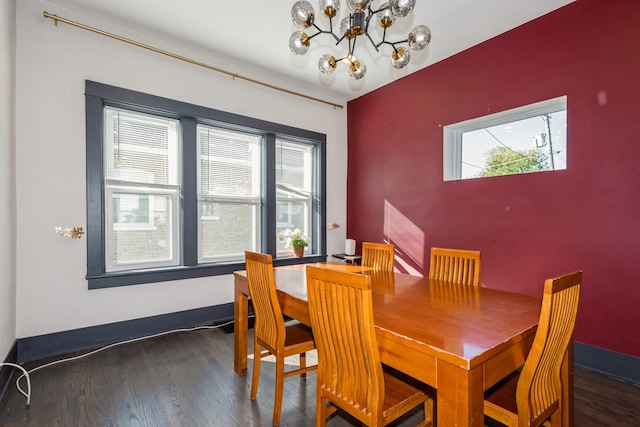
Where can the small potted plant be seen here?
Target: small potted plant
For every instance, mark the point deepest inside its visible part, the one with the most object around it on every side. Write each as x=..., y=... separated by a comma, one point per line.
x=294, y=239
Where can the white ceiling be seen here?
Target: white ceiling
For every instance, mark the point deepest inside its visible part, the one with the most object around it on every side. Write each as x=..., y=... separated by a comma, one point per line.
x=254, y=34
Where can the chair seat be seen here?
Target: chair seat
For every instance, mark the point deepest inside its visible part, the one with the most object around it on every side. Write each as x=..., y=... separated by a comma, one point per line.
x=401, y=394
x=298, y=339
x=503, y=395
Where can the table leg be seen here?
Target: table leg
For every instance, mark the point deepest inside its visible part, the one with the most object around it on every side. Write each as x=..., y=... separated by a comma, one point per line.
x=460, y=396
x=240, y=331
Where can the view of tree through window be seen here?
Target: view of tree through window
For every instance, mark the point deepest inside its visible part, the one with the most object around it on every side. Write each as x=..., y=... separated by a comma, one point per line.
x=516, y=147
x=527, y=139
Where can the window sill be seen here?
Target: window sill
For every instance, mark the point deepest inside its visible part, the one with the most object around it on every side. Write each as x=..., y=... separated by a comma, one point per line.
x=127, y=278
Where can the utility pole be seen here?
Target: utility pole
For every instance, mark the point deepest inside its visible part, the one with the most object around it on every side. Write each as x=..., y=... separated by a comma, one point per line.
x=547, y=120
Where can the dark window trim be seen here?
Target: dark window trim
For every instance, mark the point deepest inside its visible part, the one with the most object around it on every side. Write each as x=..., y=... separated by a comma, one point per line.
x=97, y=95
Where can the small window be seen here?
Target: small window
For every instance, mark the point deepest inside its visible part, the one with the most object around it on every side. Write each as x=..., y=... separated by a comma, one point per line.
x=528, y=139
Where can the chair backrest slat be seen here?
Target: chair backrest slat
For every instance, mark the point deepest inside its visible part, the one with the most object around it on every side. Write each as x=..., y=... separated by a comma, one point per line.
x=269, y=323
x=455, y=265
x=379, y=256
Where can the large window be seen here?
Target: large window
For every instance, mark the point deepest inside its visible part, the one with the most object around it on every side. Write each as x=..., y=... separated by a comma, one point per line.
x=527, y=139
x=177, y=191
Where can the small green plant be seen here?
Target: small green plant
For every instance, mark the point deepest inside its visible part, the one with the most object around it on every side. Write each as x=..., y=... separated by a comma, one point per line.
x=293, y=238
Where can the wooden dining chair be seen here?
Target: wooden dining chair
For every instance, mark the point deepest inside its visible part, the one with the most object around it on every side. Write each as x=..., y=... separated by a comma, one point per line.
x=531, y=396
x=455, y=265
x=379, y=256
x=350, y=375
x=271, y=332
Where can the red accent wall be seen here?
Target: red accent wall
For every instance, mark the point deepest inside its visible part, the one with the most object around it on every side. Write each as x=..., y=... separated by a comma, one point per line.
x=533, y=226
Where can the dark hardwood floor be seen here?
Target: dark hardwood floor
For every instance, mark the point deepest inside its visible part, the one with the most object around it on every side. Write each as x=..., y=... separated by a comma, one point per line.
x=187, y=379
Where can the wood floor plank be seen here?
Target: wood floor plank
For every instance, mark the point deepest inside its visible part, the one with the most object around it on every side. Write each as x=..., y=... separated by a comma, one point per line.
x=187, y=379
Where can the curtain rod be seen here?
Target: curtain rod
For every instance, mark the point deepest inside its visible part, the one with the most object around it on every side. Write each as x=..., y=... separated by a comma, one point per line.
x=56, y=18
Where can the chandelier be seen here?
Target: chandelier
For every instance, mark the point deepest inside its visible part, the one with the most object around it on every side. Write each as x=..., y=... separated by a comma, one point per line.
x=353, y=26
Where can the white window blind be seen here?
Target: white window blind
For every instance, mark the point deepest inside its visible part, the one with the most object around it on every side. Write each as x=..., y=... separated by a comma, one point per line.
x=229, y=184
x=142, y=185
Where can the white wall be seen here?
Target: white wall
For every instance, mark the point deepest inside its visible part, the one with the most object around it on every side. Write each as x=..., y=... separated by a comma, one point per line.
x=52, y=65
x=7, y=202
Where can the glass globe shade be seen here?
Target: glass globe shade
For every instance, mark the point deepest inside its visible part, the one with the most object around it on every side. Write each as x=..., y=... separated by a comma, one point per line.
x=327, y=64
x=299, y=43
x=357, y=69
x=345, y=28
x=358, y=4
x=400, y=58
x=330, y=8
x=419, y=37
x=385, y=18
x=401, y=8
x=302, y=14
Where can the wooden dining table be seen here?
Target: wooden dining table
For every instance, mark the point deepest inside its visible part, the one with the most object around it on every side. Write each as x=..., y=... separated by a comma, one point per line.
x=459, y=339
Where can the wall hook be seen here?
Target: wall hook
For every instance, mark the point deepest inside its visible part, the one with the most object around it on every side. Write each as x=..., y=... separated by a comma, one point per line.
x=73, y=233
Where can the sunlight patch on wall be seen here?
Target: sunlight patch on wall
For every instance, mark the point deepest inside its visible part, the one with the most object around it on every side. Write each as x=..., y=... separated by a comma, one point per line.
x=407, y=237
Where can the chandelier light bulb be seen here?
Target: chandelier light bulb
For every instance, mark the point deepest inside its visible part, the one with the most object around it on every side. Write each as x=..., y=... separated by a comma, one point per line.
x=299, y=43
x=354, y=25
x=358, y=4
x=400, y=57
x=357, y=69
x=302, y=14
x=385, y=18
x=401, y=8
x=345, y=28
x=327, y=64
x=330, y=8
x=419, y=37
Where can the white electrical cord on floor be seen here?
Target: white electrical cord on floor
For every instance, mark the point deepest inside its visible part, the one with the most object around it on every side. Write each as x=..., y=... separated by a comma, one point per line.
x=26, y=373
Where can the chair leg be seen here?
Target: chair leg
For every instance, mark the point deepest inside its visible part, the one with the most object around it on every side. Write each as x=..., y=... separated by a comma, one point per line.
x=257, y=355
x=303, y=364
x=556, y=419
x=277, y=404
x=321, y=414
x=428, y=412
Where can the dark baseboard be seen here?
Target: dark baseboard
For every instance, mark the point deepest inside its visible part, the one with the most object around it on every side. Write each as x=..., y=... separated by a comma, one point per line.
x=613, y=364
x=43, y=346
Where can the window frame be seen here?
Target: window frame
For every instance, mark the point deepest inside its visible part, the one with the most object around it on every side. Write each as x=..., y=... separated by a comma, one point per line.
x=99, y=95
x=452, y=134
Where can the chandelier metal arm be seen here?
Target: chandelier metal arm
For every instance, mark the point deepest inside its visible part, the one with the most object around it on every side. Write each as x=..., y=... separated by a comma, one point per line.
x=320, y=31
x=392, y=44
x=376, y=46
